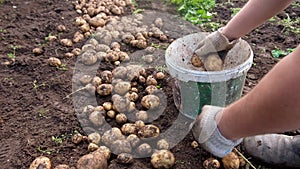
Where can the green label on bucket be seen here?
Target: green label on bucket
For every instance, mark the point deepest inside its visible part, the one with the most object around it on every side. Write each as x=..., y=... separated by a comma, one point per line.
x=194, y=95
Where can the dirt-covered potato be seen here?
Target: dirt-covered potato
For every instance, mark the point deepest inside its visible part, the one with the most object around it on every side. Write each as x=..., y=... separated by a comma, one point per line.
x=97, y=22
x=107, y=106
x=125, y=158
x=94, y=138
x=88, y=57
x=231, y=161
x=79, y=21
x=97, y=118
x=213, y=63
x=90, y=88
x=119, y=72
x=76, y=51
x=92, y=147
x=62, y=166
x=102, y=48
x=53, y=61
x=106, y=76
x=131, y=107
x=77, y=138
x=112, y=56
x=196, y=61
x=133, y=139
x=139, y=124
x=160, y=75
x=149, y=58
x=78, y=37
x=134, y=89
x=129, y=128
x=123, y=56
x=211, y=163
x=144, y=150
x=115, y=45
x=69, y=55
x=149, y=131
x=121, y=104
x=103, y=150
x=141, y=115
x=85, y=27
x=122, y=87
x=88, y=109
x=112, y=135
x=151, y=89
x=150, y=101
x=85, y=79
x=132, y=96
x=132, y=72
x=111, y=114
x=37, y=51
x=66, y=42
x=92, y=161
x=87, y=48
x=121, y=118
x=162, y=159
x=151, y=81
x=99, y=108
x=127, y=38
x=121, y=146
x=96, y=81
x=104, y=89
x=163, y=144
x=41, y=162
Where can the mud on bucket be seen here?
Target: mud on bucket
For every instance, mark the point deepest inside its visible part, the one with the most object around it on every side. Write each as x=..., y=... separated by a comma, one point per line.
x=195, y=88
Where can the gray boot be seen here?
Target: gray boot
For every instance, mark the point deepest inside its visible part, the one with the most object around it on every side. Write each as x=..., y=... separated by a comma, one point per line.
x=275, y=149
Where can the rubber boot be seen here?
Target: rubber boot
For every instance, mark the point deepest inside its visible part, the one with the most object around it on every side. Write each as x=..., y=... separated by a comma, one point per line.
x=275, y=149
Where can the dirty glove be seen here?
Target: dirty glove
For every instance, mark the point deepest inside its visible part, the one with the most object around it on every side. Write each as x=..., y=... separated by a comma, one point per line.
x=213, y=43
x=275, y=148
x=206, y=132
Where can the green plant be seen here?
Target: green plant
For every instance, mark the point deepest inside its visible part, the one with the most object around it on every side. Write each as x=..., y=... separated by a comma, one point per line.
x=212, y=26
x=276, y=53
x=290, y=25
x=58, y=140
x=195, y=11
x=161, y=68
x=62, y=67
x=235, y=11
x=40, y=149
x=36, y=85
x=42, y=112
x=138, y=11
x=12, y=55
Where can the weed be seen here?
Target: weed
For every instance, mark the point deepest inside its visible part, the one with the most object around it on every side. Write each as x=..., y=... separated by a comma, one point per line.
x=62, y=67
x=195, y=11
x=39, y=149
x=235, y=11
x=12, y=55
x=276, y=53
x=36, y=85
x=3, y=30
x=138, y=11
x=159, y=86
x=58, y=140
x=212, y=26
x=42, y=112
x=161, y=68
x=289, y=25
x=160, y=45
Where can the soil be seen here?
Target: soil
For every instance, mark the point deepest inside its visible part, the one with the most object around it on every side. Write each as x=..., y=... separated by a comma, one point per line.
x=35, y=115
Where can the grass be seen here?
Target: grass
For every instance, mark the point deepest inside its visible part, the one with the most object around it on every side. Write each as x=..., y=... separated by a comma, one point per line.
x=12, y=55
x=277, y=53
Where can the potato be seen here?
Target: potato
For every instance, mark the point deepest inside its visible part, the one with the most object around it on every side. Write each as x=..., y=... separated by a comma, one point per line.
x=134, y=89
x=112, y=135
x=231, y=161
x=97, y=22
x=151, y=81
x=104, y=89
x=120, y=72
x=103, y=150
x=141, y=115
x=120, y=103
x=158, y=22
x=151, y=89
x=144, y=150
x=142, y=80
x=121, y=118
x=78, y=37
x=88, y=57
x=116, y=10
x=115, y=45
x=97, y=118
x=149, y=58
x=127, y=38
x=90, y=88
x=88, y=109
x=132, y=96
x=37, y=51
x=77, y=138
x=163, y=144
x=96, y=81
x=150, y=49
x=123, y=56
x=92, y=147
x=102, y=48
x=133, y=72
x=85, y=79
x=62, y=166
x=53, y=61
x=195, y=144
x=128, y=129
x=41, y=162
x=131, y=107
x=149, y=131
x=122, y=87
x=52, y=38
x=107, y=106
x=94, y=138
x=211, y=163
x=125, y=158
x=85, y=27
x=139, y=124
x=162, y=159
x=79, y=21
x=112, y=56
x=106, y=76
x=121, y=146
x=92, y=161
x=100, y=56
x=213, y=63
x=76, y=51
x=150, y=102
x=111, y=114
x=69, y=55
x=66, y=42
x=133, y=139
x=61, y=28
x=160, y=75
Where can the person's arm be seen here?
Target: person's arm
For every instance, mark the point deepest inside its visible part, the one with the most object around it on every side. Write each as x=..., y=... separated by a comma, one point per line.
x=253, y=14
x=272, y=106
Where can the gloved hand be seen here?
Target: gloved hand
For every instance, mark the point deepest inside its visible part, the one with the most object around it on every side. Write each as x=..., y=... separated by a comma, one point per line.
x=207, y=50
x=206, y=132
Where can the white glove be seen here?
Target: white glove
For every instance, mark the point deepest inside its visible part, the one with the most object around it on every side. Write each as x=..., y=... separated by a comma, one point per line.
x=206, y=132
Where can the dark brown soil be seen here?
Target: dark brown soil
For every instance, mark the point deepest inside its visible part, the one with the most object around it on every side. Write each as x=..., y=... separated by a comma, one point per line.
x=34, y=110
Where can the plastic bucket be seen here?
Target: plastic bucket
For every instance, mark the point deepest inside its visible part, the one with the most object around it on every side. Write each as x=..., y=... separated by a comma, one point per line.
x=193, y=88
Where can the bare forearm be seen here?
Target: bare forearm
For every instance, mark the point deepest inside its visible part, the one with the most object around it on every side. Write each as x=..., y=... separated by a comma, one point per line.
x=272, y=106
x=253, y=14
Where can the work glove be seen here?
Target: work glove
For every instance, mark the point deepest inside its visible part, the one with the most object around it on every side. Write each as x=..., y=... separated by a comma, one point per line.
x=207, y=50
x=275, y=149
x=205, y=131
